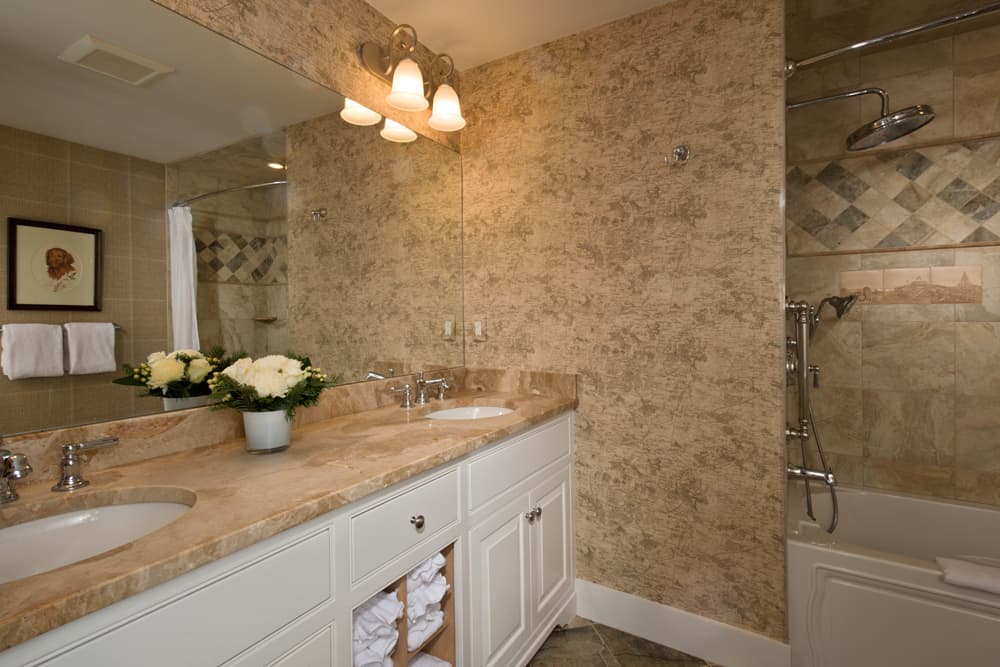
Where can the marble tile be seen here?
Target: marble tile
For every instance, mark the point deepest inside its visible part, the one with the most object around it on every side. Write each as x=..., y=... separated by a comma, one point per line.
x=836, y=349
x=631, y=650
x=977, y=352
x=573, y=646
x=911, y=427
x=977, y=422
x=908, y=355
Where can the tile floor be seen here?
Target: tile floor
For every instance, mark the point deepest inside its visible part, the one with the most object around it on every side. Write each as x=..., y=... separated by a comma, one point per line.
x=587, y=644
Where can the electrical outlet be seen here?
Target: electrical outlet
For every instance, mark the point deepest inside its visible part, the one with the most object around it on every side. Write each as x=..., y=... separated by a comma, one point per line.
x=448, y=331
x=479, y=330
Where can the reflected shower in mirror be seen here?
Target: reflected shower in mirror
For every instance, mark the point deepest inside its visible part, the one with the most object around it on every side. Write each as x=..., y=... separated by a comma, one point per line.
x=367, y=288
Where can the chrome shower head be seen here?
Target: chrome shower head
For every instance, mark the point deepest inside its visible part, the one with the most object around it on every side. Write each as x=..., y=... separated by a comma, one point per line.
x=841, y=304
x=889, y=127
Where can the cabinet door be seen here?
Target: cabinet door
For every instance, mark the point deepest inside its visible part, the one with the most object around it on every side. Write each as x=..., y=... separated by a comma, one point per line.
x=551, y=544
x=317, y=651
x=498, y=584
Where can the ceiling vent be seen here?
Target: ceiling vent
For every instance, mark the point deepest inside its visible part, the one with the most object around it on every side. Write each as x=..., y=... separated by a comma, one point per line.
x=108, y=59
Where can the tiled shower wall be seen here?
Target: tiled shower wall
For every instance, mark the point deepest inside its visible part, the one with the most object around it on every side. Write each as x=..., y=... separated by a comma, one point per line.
x=908, y=395
x=47, y=179
x=930, y=196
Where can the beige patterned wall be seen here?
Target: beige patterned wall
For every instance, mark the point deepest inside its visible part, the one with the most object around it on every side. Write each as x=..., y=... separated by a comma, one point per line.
x=908, y=398
x=660, y=285
x=958, y=75
x=317, y=39
x=371, y=285
x=47, y=179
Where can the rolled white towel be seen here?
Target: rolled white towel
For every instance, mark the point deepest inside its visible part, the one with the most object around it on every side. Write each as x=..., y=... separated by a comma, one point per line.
x=375, y=650
x=425, y=660
x=384, y=607
x=423, y=594
x=418, y=631
x=970, y=574
x=32, y=351
x=427, y=570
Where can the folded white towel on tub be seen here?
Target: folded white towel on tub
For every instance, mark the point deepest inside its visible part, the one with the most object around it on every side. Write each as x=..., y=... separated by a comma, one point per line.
x=32, y=351
x=968, y=574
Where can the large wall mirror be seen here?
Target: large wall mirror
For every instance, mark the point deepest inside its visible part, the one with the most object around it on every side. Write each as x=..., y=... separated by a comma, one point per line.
x=311, y=235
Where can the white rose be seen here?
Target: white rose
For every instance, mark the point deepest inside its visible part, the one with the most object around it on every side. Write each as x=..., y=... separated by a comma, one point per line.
x=241, y=370
x=165, y=371
x=156, y=356
x=290, y=370
x=198, y=369
x=269, y=382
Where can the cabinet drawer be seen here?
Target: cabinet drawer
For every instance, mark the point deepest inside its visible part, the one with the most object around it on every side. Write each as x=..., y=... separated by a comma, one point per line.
x=215, y=622
x=383, y=532
x=499, y=470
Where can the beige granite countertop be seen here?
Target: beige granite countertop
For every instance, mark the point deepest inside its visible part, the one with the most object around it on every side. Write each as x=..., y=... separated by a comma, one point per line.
x=242, y=499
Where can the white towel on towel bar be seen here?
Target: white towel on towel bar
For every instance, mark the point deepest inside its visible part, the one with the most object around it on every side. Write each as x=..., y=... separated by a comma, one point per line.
x=90, y=348
x=969, y=574
x=32, y=351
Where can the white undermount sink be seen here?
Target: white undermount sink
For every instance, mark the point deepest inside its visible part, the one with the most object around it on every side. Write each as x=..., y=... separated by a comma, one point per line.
x=44, y=544
x=470, y=412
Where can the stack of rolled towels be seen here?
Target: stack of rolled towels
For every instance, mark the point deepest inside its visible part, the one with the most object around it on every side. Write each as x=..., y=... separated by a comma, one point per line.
x=425, y=660
x=375, y=632
x=425, y=587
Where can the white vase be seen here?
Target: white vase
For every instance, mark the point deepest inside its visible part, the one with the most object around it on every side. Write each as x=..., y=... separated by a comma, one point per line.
x=267, y=432
x=171, y=404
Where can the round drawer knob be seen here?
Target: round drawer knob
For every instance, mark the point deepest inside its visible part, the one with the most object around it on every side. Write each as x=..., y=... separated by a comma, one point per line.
x=417, y=521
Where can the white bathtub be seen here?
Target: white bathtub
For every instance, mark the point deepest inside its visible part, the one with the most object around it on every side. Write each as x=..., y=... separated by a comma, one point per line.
x=871, y=595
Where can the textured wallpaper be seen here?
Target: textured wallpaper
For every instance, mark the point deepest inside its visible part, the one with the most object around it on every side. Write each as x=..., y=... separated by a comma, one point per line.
x=371, y=285
x=660, y=285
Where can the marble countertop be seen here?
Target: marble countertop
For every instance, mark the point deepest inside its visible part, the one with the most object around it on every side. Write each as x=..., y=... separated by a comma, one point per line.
x=242, y=499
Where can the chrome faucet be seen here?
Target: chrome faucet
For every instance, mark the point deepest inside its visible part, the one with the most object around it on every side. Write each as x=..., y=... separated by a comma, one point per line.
x=372, y=375
x=71, y=463
x=422, y=384
x=12, y=466
x=407, y=392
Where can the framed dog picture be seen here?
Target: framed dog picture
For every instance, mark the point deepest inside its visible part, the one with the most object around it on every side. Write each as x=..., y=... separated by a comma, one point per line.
x=52, y=266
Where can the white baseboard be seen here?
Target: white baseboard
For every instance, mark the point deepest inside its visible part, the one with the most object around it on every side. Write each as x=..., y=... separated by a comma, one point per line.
x=702, y=637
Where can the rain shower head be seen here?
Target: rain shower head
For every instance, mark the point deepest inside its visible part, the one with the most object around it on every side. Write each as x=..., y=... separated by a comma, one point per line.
x=891, y=125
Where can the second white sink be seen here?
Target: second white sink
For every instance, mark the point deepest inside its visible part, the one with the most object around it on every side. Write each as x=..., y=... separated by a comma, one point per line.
x=470, y=412
x=45, y=544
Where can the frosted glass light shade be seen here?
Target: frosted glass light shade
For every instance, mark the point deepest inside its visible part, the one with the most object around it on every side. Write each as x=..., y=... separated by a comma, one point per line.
x=356, y=114
x=393, y=131
x=447, y=113
x=407, y=87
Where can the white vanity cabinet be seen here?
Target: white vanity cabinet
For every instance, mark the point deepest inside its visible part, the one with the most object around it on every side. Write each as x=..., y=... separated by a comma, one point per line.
x=288, y=601
x=520, y=544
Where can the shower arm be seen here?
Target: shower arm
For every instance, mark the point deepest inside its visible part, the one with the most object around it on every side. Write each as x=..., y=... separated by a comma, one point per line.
x=842, y=96
x=792, y=66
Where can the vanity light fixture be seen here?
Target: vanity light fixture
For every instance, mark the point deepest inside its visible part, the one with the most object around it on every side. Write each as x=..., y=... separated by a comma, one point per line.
x=356, y=114
x=400, y=134
x=395, y=64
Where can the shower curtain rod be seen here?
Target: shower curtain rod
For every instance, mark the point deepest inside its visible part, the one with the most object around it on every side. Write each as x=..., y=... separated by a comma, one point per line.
x=185, y=202
x=792, y=66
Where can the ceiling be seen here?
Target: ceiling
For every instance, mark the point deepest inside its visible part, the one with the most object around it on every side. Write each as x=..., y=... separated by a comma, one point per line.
x=219, y=94
x=474, y=32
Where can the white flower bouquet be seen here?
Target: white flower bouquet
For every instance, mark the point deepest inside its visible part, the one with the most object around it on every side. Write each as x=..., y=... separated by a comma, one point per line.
x=179, y=374
x=271, y=383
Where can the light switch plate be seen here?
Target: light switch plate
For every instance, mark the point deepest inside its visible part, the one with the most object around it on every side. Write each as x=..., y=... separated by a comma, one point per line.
x=479, y=330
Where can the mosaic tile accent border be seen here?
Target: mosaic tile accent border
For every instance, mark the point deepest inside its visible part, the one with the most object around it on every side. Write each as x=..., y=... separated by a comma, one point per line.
x=234, y=258
x=936, y=196
x=921, y=285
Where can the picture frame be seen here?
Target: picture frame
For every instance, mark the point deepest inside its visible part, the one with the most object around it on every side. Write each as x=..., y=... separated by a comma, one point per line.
x=53, y=266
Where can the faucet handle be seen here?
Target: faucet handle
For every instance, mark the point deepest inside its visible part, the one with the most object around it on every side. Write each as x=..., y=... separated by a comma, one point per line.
x=12, y=466
x=17, y=466
x=407, y=392
x=71, y=463
x=73, y=447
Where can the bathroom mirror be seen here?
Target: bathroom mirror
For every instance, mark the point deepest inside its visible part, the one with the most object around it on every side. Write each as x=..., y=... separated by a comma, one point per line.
x=117, y=109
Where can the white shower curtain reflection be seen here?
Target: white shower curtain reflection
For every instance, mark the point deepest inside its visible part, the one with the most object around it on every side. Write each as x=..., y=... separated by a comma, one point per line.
x=183, y=279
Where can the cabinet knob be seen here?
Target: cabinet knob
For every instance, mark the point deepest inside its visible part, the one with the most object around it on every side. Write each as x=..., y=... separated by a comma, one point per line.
x=417, y=521
x=533, y=514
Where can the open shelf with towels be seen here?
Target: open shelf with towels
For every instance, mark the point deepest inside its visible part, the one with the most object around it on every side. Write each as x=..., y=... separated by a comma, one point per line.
x=422, y=606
